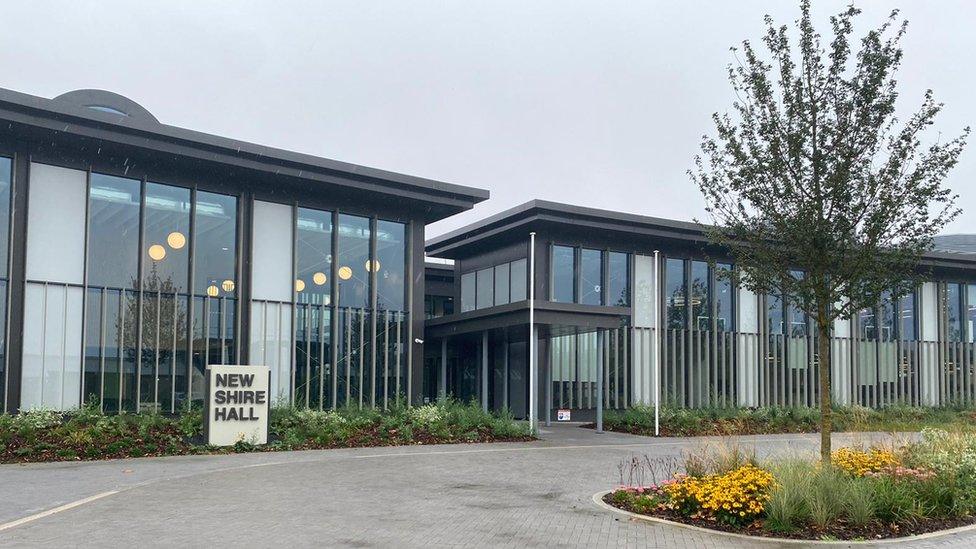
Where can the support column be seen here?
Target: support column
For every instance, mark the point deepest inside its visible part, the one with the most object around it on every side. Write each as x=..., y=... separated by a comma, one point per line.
x=442, y=379
x=600, y=365
x=505, y=399
x=484, y=370
x=547, y=363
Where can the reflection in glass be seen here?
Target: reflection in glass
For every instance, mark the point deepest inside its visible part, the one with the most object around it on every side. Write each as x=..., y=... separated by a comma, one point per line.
x=798, y=318
x=954, y=330
x=391, y=269
x=700, y=315
x=353, y=255
x=519, y=274
x=6, y=167
x=113, y=231
x=591, y=277
x=886, y=311
x=774, y=313
x=906, y=312
x=485, y=285
x=618, y=284
x=674, y=293
x=723, y=298
x=468, y=292
x=867, y=323
x=313, y=315
x=314, y=255
x=502, y=278
x=563, y=274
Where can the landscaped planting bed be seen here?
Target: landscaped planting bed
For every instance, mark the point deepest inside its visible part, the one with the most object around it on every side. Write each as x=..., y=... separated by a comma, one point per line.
x=682, y=422
x=865, y=493
x=86, y=434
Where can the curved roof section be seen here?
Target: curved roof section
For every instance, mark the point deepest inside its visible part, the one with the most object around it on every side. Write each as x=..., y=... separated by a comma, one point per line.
x=112, y=118
x=108, y=102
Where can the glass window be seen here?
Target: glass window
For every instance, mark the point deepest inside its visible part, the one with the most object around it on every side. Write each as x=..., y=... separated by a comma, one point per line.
x=113, y=231
x=618, y=283
x=563, y=274
x=723, y=298
x=391, y=256
x=5, y=178
x=467, y=292
x=353, y=254
x=954, y=312
x=906, y=312
x=798, y=318
x=774, y=313
x=314, y=256
x=867, y=324
x=971, y=312
x=700, y=314
x=674, y=293
x=886, y=312
x=502, y=279
x=166, y=230
x=215, y=244
x=591, y=277
x=519, y=275
x=485, y=288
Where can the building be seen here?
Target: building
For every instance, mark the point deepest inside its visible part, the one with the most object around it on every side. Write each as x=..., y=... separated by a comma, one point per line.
x=134, y=253
x=719, y=345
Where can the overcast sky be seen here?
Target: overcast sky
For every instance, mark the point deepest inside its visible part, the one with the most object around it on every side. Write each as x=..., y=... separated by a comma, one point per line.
x=592, y=103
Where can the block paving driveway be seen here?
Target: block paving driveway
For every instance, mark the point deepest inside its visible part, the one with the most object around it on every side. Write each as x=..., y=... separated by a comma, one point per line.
x=534, y=494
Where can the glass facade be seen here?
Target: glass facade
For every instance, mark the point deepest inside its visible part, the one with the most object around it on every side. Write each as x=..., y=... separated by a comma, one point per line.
x=953, y=306
x=6, y=177
x=563, y=274
x=700, y=291
x=492, y=286
x=591, y=277
x=486, y=288
x=674, y=294
x=519, y=275
x=618, y=279
x=313, y=313
x=723, y=294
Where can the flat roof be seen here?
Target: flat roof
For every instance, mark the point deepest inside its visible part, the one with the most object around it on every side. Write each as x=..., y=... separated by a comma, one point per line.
x=525, y=216
x=113, y=118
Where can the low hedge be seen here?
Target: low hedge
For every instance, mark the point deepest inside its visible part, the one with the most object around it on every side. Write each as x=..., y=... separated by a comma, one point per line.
x=753, y=421
x=87, y=433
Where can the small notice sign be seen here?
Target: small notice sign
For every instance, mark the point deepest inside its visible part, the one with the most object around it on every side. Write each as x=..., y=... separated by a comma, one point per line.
x=237, y=404
x=563, y=415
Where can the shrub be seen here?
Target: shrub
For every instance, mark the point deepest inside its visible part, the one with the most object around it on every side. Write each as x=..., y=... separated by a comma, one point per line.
x=860, y=462
x=735, y=497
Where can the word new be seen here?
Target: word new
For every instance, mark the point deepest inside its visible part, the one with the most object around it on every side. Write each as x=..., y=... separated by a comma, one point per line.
x=237, y=393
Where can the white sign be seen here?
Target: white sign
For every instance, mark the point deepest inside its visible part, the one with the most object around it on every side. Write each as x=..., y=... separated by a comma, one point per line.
x=237, y=404
x=563, y=415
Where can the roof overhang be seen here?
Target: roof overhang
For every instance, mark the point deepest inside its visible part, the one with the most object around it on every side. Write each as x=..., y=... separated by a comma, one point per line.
x=37, y=117
x=555, y=316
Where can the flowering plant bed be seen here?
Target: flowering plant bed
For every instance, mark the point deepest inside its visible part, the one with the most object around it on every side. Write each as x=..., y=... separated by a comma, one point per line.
x=88, y=434
x=864, y=494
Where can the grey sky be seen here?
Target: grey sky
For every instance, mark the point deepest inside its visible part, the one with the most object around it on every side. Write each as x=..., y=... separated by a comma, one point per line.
x=592, y=103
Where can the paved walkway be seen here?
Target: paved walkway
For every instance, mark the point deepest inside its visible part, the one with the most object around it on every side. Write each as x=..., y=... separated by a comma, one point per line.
x=510, y=495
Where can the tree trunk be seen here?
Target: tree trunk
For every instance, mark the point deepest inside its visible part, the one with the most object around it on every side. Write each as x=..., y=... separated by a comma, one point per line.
x=823, y=346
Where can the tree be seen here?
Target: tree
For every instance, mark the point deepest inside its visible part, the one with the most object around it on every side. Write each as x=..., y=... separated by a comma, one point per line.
x=814, y=173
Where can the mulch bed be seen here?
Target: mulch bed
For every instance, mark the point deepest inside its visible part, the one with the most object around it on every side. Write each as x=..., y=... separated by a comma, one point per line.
x=839, y=530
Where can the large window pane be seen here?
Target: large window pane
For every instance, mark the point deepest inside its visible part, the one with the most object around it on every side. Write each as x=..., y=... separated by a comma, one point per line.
x=954, y=330
x=886, y=311
x=5, y=179
x=313, y=329
x=167, y=229
x=468, y=296
x=867, y=324
x=501, y=283
x=774, y=313
x=519, y=275
x=906, y=313
x=723, y=298
x=56, y=230
x=591, y=277
x=618, y=284
x=485, y=288
x=353, y=254
x=113, y=231
x=700, y=315
x=674, y=293
x=798, y=318
x=314, y=256
x=563, y=274
x=215, y=244
x=391, y=258
x=971, y=312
